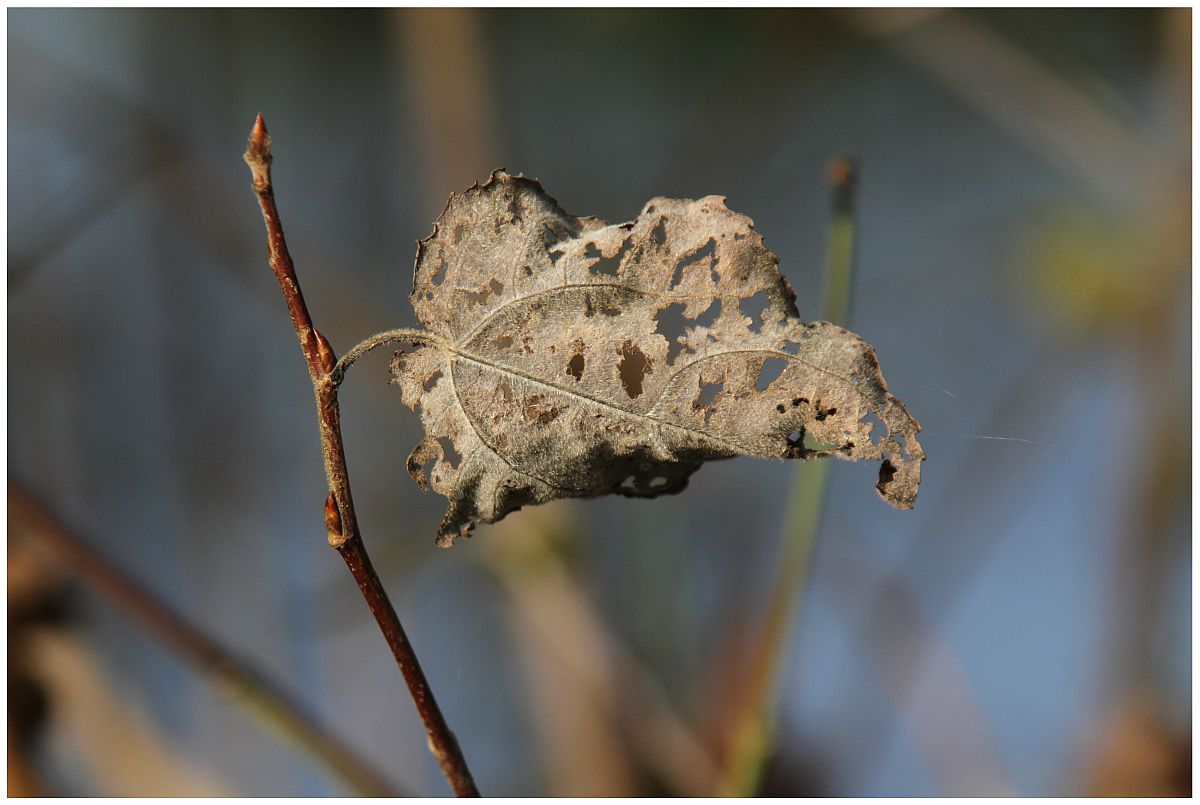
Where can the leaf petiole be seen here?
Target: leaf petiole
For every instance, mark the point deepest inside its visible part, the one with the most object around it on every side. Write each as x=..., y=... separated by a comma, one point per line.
x=402, y=335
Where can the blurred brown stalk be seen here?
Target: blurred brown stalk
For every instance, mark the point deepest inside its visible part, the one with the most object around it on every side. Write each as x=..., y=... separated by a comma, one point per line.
x=246, y=686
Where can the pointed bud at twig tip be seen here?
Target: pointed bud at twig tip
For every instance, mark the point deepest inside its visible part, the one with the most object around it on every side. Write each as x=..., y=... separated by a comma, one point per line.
x=258, y=154
x=325, y=353
x=260, y=141
x=333, y=520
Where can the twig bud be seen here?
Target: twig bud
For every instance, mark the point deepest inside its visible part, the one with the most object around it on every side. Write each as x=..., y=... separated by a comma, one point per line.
x=333, y=520
x=325, y=353
x=258, y=155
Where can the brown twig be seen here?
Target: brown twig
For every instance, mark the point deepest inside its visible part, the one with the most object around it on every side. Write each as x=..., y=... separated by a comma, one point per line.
x=340, y=520
x=282, y=713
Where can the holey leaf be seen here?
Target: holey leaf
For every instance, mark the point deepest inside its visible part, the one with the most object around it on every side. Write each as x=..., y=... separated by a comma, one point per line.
x=569, y=357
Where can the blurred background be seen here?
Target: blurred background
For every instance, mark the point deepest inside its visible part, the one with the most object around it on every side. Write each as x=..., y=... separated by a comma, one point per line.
x=1022, y=219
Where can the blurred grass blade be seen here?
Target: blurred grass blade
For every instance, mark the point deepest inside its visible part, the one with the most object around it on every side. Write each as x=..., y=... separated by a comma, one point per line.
x=754, y=721
x=839, y=260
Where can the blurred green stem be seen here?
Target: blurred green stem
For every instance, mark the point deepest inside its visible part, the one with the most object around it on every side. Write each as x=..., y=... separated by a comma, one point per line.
x=754, y=722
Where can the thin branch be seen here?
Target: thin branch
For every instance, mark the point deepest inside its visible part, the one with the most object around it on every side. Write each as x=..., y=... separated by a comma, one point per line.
x=248, y=686
x=340, y=520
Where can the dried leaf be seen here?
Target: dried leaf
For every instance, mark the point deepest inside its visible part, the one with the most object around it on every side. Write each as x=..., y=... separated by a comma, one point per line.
x=576, y=358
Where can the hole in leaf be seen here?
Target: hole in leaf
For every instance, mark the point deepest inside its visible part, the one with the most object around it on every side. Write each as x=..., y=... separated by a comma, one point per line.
x=634, y=367
x=705, y=252
x=671, y=324
x=659, y=481
x=607, y=266
x=708, y=392
x=823, y=412
x=771, y=369
x=431, y=380
x=575, y=366
x=629, y=484
x=780, y=408
x=703, y=258
x=872, y=419
x=427, y=468
x=796, y=438
x=494, y=288
x=708, y=317
x=887, y=472
x=659, y=233
x=438, y=274
x=793, y=347
x=755, y=307
x=813, y=443
x=451, y=455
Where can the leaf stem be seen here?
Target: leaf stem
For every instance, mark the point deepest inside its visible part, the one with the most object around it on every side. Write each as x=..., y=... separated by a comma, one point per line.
x=399, y=336
x=754, y=725
x=340, y=519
